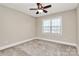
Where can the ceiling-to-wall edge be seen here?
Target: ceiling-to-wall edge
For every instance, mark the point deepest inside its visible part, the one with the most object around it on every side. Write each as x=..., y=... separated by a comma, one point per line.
x=56, y=13
x=16, y=10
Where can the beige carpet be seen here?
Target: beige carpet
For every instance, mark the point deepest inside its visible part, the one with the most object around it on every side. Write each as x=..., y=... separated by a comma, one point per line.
x=40, y=48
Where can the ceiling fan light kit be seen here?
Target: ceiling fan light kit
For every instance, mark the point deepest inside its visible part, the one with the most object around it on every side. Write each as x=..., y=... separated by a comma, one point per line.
x=40, y=11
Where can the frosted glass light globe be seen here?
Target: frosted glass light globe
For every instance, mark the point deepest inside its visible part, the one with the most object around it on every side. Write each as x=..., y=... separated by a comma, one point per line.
x=40, y=11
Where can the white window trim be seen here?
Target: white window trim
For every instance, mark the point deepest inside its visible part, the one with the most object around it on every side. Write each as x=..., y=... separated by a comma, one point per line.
x=51, y=26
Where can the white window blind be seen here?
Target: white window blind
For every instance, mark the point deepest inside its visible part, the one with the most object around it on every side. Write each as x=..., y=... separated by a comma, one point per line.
x=46, y=26
x=53, y=25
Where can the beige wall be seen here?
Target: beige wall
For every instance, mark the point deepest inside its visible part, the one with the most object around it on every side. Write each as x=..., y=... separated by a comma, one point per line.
x=15, y=26
x=68, y=27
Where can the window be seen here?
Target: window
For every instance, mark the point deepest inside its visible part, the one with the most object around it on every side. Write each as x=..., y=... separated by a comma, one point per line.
x=53, y=25
x=46, y=26
x=56, y=25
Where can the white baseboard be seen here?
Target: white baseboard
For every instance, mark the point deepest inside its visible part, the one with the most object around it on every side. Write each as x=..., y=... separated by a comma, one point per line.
x=17, y=43
x=14, y=44
x=60, y=42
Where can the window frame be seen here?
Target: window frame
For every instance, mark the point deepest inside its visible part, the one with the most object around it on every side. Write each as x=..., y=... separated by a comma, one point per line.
x=60, y=31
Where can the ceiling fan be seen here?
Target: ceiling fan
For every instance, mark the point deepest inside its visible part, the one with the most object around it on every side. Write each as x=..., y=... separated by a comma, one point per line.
x=40, y=8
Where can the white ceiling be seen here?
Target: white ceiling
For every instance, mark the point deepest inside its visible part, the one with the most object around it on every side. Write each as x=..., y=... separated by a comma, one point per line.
x=56, y=7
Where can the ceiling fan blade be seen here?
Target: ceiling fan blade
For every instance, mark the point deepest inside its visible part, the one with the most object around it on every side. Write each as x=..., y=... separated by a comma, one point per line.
x=38, y=4
x=45, y=11
x=37, y=12
x=48, y=6
x=33, y=8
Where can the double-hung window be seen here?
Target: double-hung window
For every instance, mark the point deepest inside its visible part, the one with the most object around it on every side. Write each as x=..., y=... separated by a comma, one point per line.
x=46, y=26
x=53, y=25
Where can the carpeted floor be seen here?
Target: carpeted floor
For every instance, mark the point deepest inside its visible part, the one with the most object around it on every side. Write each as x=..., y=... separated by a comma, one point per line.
x=40, y=48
